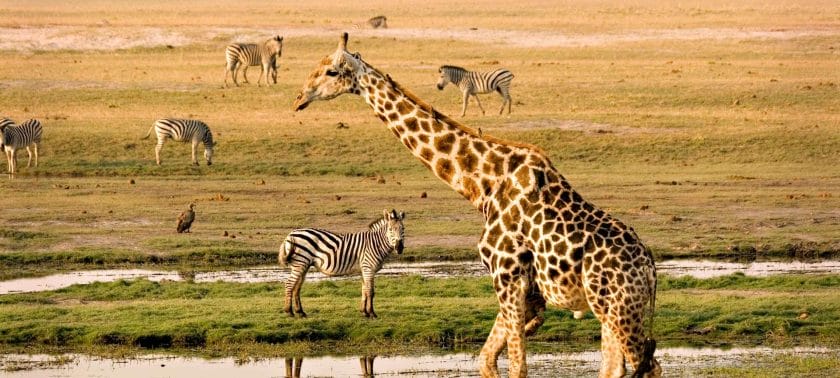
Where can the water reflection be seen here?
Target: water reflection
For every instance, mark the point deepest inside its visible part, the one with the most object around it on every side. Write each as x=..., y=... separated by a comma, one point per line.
x=676, y=362
x=294, y=364
x=699, y=269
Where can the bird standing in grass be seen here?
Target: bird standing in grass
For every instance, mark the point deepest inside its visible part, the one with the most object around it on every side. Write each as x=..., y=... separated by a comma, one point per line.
x=185, y=219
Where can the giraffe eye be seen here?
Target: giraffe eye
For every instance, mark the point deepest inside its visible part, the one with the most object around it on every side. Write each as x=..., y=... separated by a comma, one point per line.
x=332, y=73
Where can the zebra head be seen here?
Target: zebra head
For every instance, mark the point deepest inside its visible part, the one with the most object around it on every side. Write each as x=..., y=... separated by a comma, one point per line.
x=275, y=45
x=395, y=229
x=334, y=76
x=449, y=74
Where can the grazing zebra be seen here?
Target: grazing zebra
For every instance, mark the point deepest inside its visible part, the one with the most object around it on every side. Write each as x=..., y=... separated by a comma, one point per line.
x=27, y=134
x=474, y=83
x=341, y=254
x=378, y=22
x=243, y=55
x=183, y=130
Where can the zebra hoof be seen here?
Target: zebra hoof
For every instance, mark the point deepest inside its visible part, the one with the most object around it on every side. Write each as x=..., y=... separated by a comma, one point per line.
x=302, y=314
x=195, y=164
x=209, y=163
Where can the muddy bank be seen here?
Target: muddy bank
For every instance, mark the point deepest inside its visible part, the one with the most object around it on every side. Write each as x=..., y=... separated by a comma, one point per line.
x=693, y=268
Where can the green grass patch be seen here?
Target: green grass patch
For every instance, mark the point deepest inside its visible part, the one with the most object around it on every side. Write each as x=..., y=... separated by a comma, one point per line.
x=413, y=310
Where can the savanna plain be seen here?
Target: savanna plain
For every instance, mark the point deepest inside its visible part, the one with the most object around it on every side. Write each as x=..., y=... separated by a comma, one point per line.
x=712, y=128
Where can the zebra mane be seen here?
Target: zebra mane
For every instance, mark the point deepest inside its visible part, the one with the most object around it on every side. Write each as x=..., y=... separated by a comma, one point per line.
x=450, y=67
x=376, y=222
x=445, y=119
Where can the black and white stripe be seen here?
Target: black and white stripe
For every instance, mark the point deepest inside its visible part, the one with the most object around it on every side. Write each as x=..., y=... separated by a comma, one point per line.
x=340, y=254
x=243, y=55
x=474, y=83
x=27, y=134
x=378, y=22
x=183, y=130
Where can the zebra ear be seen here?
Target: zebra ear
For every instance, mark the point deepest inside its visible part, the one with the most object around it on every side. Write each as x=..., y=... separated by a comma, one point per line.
x=402, y=215
x=385, y=214
x=394, y=214
x=278, y=38
x=357, y=55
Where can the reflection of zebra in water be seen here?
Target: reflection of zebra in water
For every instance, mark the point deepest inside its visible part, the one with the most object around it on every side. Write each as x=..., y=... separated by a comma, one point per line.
x=243, y=55
x=183, y=130
x=27, y=134
x=474, y=83
x=340, y=254
x=378, y=22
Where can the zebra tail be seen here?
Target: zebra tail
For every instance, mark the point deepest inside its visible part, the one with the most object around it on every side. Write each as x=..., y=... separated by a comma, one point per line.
x=285, y=253
x=149, y=133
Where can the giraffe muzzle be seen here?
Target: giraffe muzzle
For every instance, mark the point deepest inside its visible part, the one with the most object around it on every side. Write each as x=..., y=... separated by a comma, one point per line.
x=300, y=102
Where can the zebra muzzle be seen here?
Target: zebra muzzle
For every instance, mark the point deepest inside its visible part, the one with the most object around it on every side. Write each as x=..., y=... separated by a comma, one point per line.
x=399, y=247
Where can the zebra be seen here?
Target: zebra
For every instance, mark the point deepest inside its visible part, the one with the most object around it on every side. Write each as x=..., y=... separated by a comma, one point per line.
x=341, y=254
x=183, y=130
x=27, y=134
x=474, y=83
x=243, y=55
x=378, y=22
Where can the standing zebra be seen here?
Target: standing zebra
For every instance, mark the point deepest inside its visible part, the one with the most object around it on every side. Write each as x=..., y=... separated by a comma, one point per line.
x=183, y=130
x=27, y=134
x=243, y=55
x=341, y=254
x=474, y=83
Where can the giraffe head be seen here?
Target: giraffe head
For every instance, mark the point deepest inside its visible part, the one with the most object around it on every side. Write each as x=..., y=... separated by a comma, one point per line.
x=395, y=229
x=334, y=76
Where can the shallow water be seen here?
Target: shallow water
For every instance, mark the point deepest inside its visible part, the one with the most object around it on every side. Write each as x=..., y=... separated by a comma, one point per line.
x=675, y=362
x=699, y=269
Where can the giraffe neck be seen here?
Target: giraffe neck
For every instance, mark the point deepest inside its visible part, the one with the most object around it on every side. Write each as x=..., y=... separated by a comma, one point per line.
x=463, y=159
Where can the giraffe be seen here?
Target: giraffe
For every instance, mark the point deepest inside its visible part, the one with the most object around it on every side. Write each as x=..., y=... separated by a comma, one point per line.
x=542, y=242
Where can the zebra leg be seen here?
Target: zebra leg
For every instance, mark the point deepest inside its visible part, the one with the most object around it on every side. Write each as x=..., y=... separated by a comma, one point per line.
x=29, y=153
x=298, y=285
x=297, y=274
x=245, y=73
x=367, y=294
x=158, y=147
x=477, y=101
x=194, y=145
x=11, y=167
x=466, y=101
x=36, y=154
x=263, y=72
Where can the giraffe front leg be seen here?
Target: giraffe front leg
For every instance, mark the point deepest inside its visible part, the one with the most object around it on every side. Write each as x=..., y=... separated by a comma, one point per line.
x=493, y=346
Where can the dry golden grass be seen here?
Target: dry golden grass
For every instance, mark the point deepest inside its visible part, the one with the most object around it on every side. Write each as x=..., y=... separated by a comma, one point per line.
x=727, y=139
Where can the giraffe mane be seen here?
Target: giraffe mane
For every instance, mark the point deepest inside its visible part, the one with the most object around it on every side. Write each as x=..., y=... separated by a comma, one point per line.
x=444, y=118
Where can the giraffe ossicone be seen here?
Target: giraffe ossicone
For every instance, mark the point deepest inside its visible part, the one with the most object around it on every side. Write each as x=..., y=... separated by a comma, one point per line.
x=542, y=242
